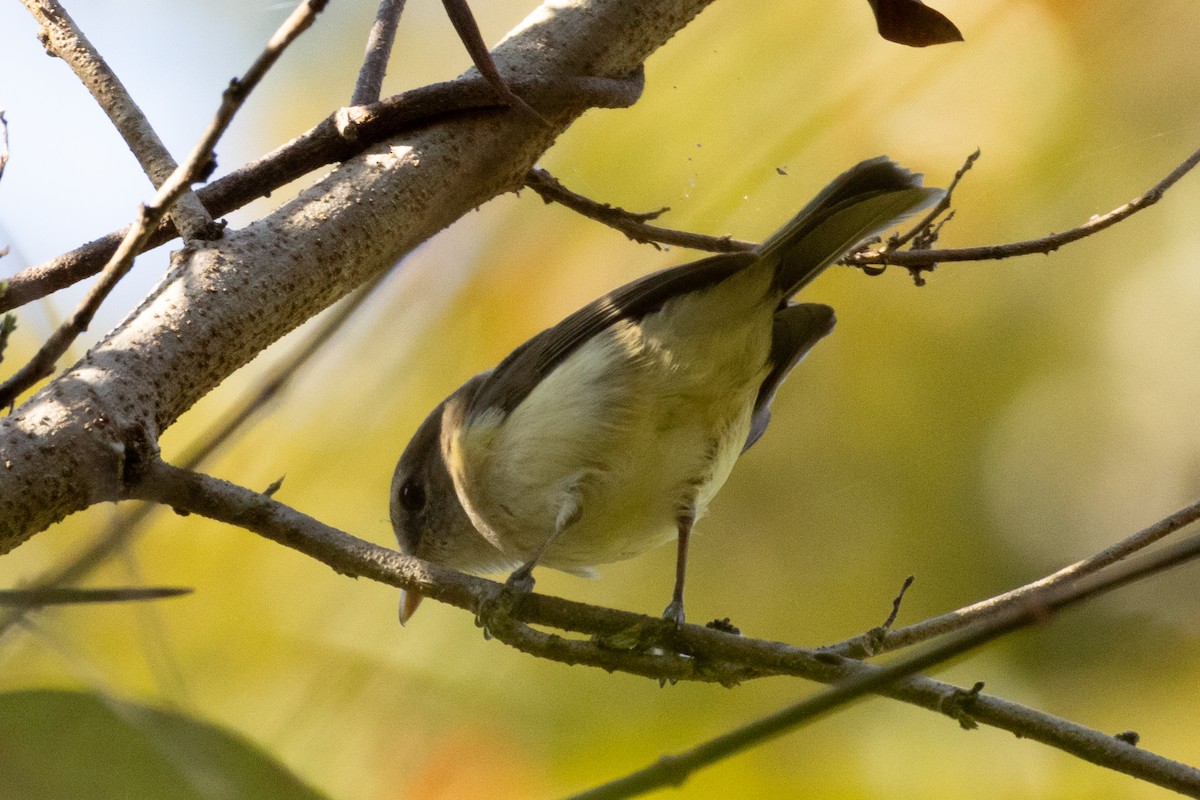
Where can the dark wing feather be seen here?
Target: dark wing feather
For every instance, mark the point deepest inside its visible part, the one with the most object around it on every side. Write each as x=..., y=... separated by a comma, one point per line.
x=515, y=377
x=797, y=328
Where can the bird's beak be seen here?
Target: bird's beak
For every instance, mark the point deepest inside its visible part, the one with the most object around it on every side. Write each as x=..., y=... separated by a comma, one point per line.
x=408, y=604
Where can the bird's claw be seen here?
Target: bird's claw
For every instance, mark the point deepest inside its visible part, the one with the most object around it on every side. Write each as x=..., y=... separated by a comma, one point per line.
x=521, y=581
x=495, y=612
x=674, y=613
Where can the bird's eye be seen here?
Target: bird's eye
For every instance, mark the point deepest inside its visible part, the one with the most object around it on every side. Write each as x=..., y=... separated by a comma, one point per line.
x=412, y=495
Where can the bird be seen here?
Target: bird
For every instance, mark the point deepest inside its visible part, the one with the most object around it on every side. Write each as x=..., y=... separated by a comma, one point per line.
x=610, y=432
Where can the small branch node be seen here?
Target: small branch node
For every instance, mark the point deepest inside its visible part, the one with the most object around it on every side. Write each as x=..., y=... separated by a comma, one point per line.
x=468, y=33
x=1129, y=737
x=872, y=642
x=235, y=92
x=724, y=625
x=958, y=705
x=347, y=120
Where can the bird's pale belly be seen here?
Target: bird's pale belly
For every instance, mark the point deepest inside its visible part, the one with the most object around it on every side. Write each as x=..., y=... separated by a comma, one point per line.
x=637, y=506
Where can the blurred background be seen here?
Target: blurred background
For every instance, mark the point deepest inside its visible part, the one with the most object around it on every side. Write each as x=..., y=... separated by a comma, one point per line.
x=1002, y=421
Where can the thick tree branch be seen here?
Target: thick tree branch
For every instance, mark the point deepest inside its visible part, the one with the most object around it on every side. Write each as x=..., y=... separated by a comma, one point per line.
x=126, y=525
x=340, y=137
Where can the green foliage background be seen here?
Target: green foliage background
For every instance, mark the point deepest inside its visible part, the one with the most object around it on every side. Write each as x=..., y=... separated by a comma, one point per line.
x=1002, y=421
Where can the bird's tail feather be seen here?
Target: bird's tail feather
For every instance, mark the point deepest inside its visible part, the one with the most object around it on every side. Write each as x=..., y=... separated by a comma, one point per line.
x=860, y=203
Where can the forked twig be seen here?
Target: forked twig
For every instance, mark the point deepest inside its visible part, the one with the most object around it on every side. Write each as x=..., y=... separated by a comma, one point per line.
x=328, y=142
x=1112, y=752
x=63, y=38
x=631, y=223
x=195, y=167
x=968, y=615
x=468, y=32
x=1043, y=245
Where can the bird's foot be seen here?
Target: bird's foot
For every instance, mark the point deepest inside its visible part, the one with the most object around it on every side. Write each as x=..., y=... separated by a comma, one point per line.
x=674, y=612
x=495, y=612
x=521, y=580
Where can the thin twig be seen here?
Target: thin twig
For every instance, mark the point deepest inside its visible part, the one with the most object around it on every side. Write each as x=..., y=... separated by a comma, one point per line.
x=329, y=142
x=195, y=167
x=3, y=142
x=968, y=615
x=8, y=322
x=193, y=492
x=379, y=49
x=726, y=654
x=1046, y=244
x=896, y=242
x=96, y=553
x=57, y=596
x=63, y=38
x=632, y=224
x=468, y=32
x=673, y=770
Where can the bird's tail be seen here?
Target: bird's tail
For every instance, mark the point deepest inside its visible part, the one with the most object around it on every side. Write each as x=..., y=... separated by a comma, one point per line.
x=860, y=203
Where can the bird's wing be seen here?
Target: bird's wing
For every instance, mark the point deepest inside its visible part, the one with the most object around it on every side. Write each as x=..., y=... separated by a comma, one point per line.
x=515, y=377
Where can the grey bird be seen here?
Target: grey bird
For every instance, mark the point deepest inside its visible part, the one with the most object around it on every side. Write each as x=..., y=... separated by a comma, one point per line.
x=609, y=433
